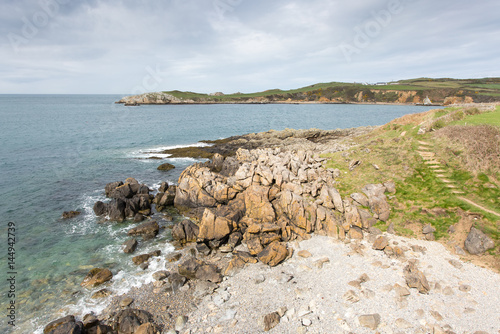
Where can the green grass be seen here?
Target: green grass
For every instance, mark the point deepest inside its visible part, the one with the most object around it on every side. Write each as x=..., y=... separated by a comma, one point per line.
x=488, y=118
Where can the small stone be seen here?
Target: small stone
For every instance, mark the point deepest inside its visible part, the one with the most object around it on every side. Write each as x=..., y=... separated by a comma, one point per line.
x=401, y=291
x=160, y=275
x=173, y=257
x=282, y=311
x=369, y=320
x=226, y=249
x=319, y=263
x=456, y=264
x=351, y=297
x=259, y=279
x=436, y=315
x=130, y=245
x=303, y=311
x=403, y=324
x=448, y=291
x=420, y=313
x=180, y=322
x=368, y=294
x=464, y=288
x=469, y=310
x=428, y=229
x=304, y=253
x=306, y=322
x=390, y=229
x=355, y=284
x=126, y=302
x=271, y=320
x=380, y=243
x=363, y=278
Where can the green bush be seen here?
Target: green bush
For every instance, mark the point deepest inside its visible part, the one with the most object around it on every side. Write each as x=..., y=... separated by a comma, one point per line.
x=439, y=124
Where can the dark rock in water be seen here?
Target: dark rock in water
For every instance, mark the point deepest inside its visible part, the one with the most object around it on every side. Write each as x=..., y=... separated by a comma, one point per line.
x=477, y=242
x=70, y=214
x=148, y=230
x=66, y=325
x=100, y=208
x=139, y=218
x=163, y=187
x=129, y=320
x=166, y=167
x=112, y=186
x=162, y=200
x=96, y=277
x=185, y=231
x=116, y=210
x=140, y=259
x=130, y=245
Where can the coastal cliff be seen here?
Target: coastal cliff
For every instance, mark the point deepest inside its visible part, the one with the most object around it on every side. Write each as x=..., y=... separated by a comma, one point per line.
x=304, y=230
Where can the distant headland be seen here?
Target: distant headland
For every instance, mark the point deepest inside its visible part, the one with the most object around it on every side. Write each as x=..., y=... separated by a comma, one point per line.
x=421, y=91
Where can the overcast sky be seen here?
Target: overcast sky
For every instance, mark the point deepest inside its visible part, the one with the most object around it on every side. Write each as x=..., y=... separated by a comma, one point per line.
x=132, y=46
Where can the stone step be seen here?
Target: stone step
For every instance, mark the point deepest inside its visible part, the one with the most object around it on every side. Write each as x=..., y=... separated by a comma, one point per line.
x=427, y=154
x=458, y=192
x=434, y=166
x=432, y=162
x=424, y=143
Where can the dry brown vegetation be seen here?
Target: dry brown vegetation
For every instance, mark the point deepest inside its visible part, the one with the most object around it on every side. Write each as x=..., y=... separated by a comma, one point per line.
x=477, y=146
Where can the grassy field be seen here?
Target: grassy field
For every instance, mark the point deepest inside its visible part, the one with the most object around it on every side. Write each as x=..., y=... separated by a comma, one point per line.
x=391, y=153
x=490, y=118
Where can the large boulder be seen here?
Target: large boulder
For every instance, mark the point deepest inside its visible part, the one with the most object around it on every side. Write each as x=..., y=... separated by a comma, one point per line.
x=213, y=227
x=477, y=242
x=96, y=276
x=147, y=230
x=257, y=204
x=116, y=210
x=190, y=192
x=185, y=231
x=110, y=187
x=65, y=325
x=100, y=208
x=129, y=320
x=273, y=254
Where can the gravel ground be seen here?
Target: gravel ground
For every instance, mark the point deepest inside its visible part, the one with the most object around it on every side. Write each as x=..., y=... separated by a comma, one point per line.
x=463, y=298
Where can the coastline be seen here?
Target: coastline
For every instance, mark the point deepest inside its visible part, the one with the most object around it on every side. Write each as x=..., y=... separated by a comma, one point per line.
x=232, y=315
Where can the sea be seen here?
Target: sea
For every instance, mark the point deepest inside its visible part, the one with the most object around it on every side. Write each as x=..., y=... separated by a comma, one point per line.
x=57, y=153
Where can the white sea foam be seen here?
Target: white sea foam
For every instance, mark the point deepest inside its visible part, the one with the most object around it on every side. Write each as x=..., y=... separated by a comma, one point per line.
x=157, y=151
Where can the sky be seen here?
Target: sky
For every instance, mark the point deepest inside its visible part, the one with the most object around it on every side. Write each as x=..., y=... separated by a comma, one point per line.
x=137, y=46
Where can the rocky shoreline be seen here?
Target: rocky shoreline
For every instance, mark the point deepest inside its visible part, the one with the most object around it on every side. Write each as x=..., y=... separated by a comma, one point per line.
x=270, y=244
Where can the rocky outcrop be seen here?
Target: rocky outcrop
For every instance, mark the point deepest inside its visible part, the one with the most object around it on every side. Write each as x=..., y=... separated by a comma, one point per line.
x=270, y=196
x=150, y=98
x=64, y=325
x=477, y=242
x=185, y=231
x=128, y=200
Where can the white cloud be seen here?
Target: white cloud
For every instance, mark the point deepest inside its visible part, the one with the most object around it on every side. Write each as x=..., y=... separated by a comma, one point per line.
x=97, y=46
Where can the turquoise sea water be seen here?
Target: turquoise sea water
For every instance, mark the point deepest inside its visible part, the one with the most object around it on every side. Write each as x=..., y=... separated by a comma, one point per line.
x=59, y=151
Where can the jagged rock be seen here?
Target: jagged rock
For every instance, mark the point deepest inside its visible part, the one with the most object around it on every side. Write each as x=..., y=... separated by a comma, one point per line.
x=380, y=243
x=130, y=245
x=377, y=200
x=189, y=267
x=116, y=210
x=257, y=204
x=126, y=302
x=273, y=254
x=428, y=229
x=202, y=249
x=110, y=187
x=390, y=187
x=369, y=320
x=360, y=199
x=148, y=230
x=160, y=275
x=185, y=231
x=214, y=228
x=129, y=320
x=100, y=208
x=271, y=320
x=96, y=277
x=416, y=279
x=304, y=253
x=180, y=323
x=477, y=242
x=208, y=272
